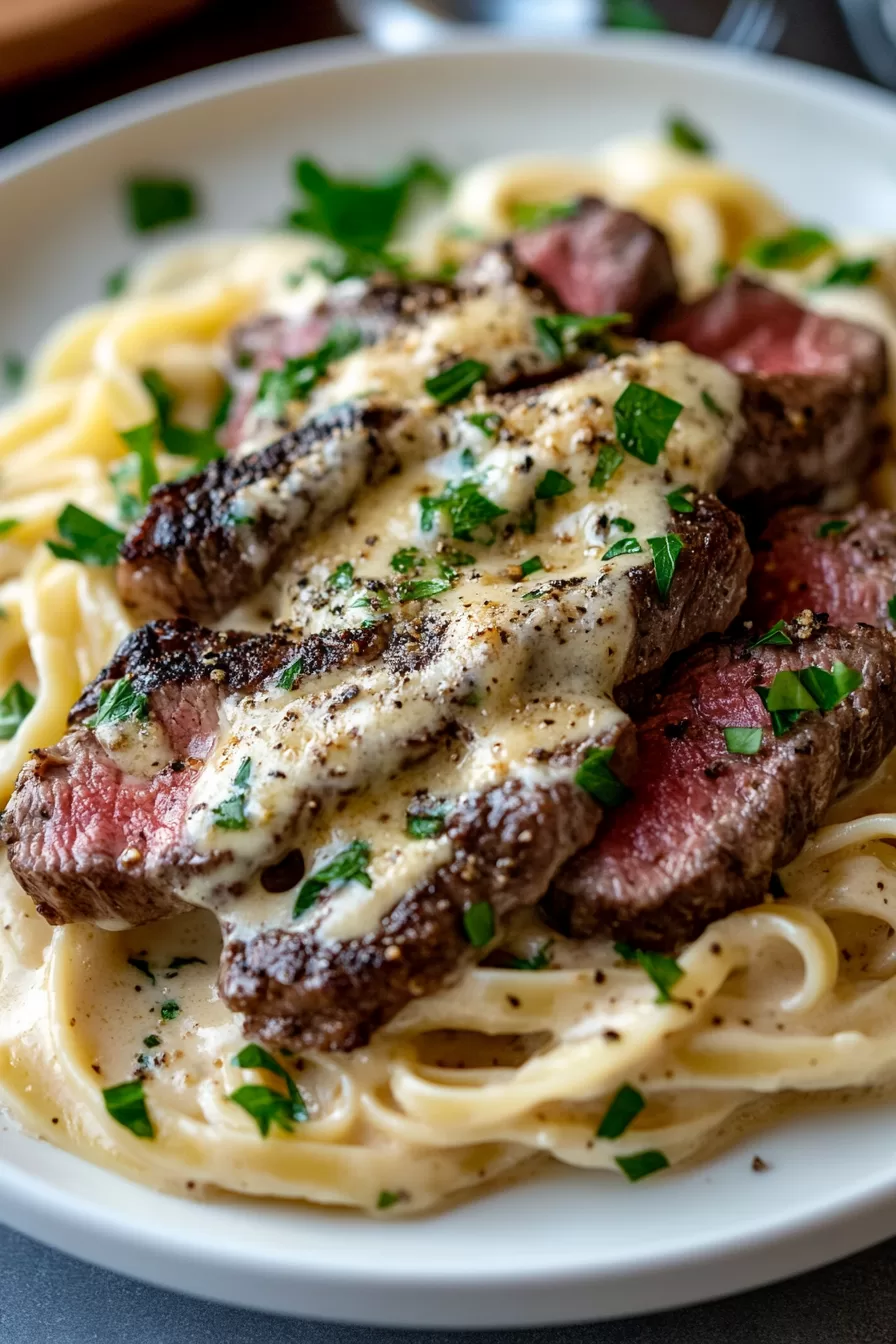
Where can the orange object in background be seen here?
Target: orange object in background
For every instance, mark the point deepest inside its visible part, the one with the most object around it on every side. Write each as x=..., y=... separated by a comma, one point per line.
x=39, y=36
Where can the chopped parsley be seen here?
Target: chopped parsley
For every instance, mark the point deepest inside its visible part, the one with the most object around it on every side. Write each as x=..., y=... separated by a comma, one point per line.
x=626, y=546
x=683, y=134
x=833, y=526
x=777, y=636
x=15, y=706
x=142, y=965
x=266, y=1106
x=119, y=703
x=13, y=370
x=115, y=283
x=743, y=741
x=609, y=459
x=343, y=577
x=891, y=608
x=298, y=377
x=538, y=214
x=639, y=1165
x=162, y=395
x=416, y=590
x=552, y=484
x=456, y=382
x=663, y=971
x=359, y=216
x=466, y=507
x=182, y=441
x=638, y=14
x=487, y=422
x=8, y=525
x=624, y=524
x=286, y=680
x=563, y=334
x=680, y=500
x=152, y=1042
x=89, y=540
x=666, y=550
x=154, y=202
x=711, y=404
x=408, y=560
x=349, y=865
x=479, y=923
x=427, y=824
x=597, y=779
x=644, y=421
x=126, y=1104
x=531, y=566
x=793, y=694
x=386, y=1199
x=231, y=814
x=855, y=271
x=788, y=251
x=625, y=1107
x=170, y=1010
x=540, y=962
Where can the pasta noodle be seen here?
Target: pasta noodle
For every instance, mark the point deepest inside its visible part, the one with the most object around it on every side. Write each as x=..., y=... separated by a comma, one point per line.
x=470, y=1082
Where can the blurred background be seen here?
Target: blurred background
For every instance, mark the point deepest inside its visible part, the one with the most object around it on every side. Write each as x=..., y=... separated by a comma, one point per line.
x=60, y=56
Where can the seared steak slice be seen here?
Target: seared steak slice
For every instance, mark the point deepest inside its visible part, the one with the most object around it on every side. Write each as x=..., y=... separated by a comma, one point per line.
x=602, y=260
x=811, y=388
x=316, y=994
x=95, y=825
x=841, y=564
x=212, y=539
x=705, y=828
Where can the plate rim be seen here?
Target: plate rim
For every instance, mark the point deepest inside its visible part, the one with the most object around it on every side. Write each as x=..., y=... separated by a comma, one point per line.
x=68, y=1216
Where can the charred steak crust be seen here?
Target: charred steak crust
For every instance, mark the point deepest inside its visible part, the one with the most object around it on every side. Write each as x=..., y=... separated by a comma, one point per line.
x=849, y=572
x=309, y=993
x=811, y=388
x=709, y=587
x=189, y=555
x=705, y=829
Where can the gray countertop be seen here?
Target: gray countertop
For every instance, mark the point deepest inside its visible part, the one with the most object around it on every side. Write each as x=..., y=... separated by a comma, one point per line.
x=48, y=1298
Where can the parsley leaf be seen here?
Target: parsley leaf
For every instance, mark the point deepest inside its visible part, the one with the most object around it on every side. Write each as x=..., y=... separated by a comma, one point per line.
x=126, y=1104
x=609, y=459
x=160, y=391
x=683, y=134
x=855, y=271
x=13, y=370
x=343, y=577
x=264, y=1104
x=743, y=741
x=115, y=283
x=563, y=334
x=456, y=382
x=793, y=694
x=170, y=1010
x=711, y=404
x=627, y=546
x=90, y=541
x=231, y=814
x=182, y=441
x=663, y=971
x=15, y=707
x=359, y=216
x=286, y=680
x=7, y=525
x=386, y=1198
x=479, y=923
x=789, y=250
x=141, y=440
x=298, y=377
x=776, y=636
x=552, y=484
x=540, y=962
x=679, y=500
x=625, y=1107
x=644, y=421
x=466, y=508
x=531, y=566
x=153, y=202
x=597, y=779
x=538, y=214
x=119, y=703
x=832, y=527
x=666, y=551
x=416, y=590
x=152, y=1042
x=639, y=1165
x=350, y=865
x=408, y=560
x=429, y=823
x=488, y=422
x=891, y=608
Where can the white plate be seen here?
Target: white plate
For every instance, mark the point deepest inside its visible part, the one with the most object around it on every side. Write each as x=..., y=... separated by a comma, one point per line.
x=565, y=1246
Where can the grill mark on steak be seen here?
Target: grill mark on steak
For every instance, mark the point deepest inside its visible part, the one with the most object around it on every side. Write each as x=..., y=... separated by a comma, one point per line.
x=811, y=389
x=849, y=574
x=705, y=829
x=191, y=556
x=313, y=994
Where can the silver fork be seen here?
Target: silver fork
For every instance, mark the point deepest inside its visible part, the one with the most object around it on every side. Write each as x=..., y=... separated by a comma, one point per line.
x=752, y=25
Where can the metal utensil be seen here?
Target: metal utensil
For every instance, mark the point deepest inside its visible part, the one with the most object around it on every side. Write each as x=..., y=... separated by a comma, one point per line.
x=404, y=25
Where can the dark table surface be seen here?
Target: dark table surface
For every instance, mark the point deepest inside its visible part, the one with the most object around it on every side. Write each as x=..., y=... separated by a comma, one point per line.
x=46, y=1297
